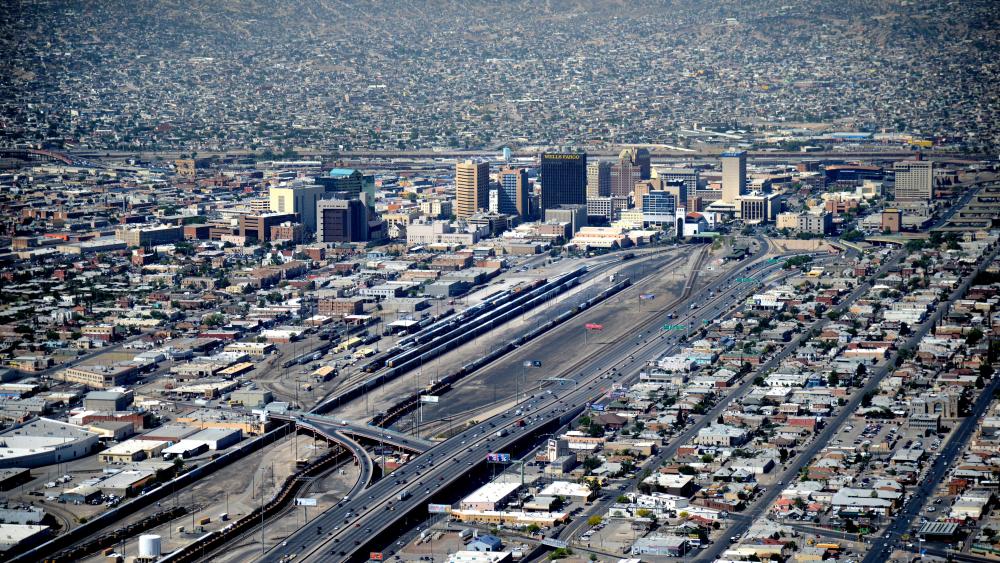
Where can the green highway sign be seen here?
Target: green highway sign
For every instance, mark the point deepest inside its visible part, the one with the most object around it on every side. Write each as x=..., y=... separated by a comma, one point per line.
x=745, y=280
x=674, y=327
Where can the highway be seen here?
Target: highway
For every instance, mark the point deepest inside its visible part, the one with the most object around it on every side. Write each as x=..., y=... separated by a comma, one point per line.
x=349, y=528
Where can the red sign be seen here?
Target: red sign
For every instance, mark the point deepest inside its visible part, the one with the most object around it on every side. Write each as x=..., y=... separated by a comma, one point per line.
x=593, y=326
x=375, y=556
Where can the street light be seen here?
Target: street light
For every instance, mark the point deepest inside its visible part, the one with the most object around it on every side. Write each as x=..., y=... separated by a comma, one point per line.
x=524, y=366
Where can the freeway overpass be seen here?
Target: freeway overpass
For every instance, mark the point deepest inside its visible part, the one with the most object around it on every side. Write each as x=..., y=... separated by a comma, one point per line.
x=365, y=432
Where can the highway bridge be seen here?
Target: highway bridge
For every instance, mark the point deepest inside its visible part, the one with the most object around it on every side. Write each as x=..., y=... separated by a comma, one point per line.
x=43, y=155
x=366, y=432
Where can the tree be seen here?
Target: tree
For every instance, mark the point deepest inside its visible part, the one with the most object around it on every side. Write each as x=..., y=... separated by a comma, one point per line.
x=533, y=529
x=833, y=379
x=214, y=320
x=560, y=553
x=974, y=336
x=594, y=520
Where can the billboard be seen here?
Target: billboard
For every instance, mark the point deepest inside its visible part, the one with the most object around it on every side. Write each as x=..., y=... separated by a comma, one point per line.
x=593, y=326
x=597, y=407
x=429, y=399
x=498, y=458
x=305, y=502
x=438, y=508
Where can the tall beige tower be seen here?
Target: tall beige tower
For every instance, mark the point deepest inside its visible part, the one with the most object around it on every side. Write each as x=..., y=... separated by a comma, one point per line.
x=472, y=185
x=914, y=180
x=734, y=175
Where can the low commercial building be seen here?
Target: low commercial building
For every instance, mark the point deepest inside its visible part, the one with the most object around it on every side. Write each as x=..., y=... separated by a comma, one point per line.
x=490, y=496
x=132, y=450
x=575, y=491
x=45, y=442
x=667, y=546
x=13, y=477
x=510, y=518
x=217, y=438
x=22, y=536
x=252, y=349
x=150, y=235
x=99, y=376
x=208, y=418
x=170, y=433
x=107, y=400
x=251, y=397
x=112, y=430
x=80, y=493
x=467, y=556
x=127, y=483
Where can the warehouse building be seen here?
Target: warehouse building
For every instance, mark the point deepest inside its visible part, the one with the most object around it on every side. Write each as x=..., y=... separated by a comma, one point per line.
x=45, y=442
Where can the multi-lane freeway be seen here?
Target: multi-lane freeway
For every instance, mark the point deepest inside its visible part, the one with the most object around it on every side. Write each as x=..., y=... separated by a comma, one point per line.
x=357, y=525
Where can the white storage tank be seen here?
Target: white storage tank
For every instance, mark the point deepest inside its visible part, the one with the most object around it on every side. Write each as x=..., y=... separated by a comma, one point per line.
x=149, y=546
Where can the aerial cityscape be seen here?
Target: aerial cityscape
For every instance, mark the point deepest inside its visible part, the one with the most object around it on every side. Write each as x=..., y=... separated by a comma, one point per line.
x=471, y=282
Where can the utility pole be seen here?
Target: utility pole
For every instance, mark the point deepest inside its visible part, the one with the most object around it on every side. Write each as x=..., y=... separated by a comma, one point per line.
x=263, y=542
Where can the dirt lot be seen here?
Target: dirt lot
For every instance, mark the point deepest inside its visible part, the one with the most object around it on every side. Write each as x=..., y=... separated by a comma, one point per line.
x=236, y=490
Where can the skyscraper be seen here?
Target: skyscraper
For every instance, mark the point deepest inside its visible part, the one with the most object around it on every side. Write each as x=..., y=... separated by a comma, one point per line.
x=341, y=220
x=564, y=179
x=598, y=179
x=689, y=176
x=658, y=208
x=513, y=192
x=632, y=167
x=914, y=180
x=300, y=198
x=734, y=175
x=345, y=182
x=472, y=186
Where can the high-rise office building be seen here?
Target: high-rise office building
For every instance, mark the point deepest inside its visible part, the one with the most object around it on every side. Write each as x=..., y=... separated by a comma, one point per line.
x=512, y=195
x=299, y=199
x=258, y=226
x=472, y=186
x=632, y=167
x=658, y=208
x=342, y=220
x=688, y=176
x=914, y=180
x=564, y=179
x=734, y=175
x=345, y=182
x=598, y=179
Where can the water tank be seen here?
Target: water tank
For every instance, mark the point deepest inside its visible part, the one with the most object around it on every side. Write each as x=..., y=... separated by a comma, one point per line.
x=149, y=545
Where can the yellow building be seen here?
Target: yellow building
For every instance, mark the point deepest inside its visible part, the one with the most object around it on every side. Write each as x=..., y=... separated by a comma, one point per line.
x=132, y=450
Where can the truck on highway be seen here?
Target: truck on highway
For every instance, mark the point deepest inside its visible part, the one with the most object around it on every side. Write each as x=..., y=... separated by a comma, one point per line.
x=403, y=495
x=501, y=433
